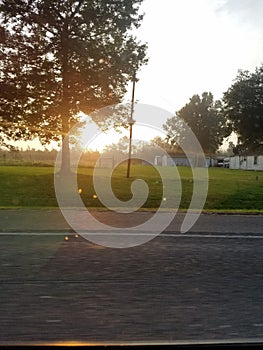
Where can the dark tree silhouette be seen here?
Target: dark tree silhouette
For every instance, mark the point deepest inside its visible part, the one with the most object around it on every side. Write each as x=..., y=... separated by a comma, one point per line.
x=243, y=105
x=206, y=119
x=58, y=58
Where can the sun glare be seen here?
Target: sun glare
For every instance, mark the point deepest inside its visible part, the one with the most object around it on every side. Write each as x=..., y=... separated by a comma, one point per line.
x=102, y=139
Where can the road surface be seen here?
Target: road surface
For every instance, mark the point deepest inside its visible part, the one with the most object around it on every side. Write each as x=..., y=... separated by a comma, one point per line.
x=204, y=285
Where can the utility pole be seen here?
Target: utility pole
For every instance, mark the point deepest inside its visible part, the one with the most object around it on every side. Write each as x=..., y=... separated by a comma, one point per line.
x=131, y=121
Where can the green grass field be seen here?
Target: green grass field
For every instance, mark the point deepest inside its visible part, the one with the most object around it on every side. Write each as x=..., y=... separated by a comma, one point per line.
x=229, y=190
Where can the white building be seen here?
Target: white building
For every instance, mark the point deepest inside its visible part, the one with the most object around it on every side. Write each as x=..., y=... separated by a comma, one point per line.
x=182, y=160
x=246, y=162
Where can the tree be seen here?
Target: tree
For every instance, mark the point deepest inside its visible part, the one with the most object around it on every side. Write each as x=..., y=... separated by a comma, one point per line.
x=230, y=149
x=61, y=57
x=243, y=106
x=205, y=118
x=121, y=147
x=164, y=145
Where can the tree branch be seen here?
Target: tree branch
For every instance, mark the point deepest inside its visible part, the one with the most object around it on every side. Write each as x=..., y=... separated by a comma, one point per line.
x=76, y=9
x=37, y=19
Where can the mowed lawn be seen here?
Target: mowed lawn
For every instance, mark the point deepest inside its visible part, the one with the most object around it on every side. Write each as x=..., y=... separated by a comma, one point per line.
x=229, y=190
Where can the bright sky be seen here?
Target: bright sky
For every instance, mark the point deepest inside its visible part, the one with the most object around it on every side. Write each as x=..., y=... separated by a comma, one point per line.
x=197, y=46
x=194, y=46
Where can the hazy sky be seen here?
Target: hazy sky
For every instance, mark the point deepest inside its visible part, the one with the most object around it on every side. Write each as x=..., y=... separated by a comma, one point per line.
x=193, y=46
x=196, y=46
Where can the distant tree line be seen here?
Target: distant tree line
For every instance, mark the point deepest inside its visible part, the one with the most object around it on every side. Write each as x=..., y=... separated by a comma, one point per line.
x=45, y=157
x=143, y=150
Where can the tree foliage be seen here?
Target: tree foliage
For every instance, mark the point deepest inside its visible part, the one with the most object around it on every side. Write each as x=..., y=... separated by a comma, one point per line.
x=59, y=58
x=121, y=147
x=206, y=119
x=163, y=145
x=243, y=105
x=146, y=150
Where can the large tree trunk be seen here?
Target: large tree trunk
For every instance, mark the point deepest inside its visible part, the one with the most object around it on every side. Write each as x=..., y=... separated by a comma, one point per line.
x=65, y=161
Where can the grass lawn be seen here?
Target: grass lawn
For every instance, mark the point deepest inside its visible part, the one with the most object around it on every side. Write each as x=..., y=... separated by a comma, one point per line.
x=229, y=190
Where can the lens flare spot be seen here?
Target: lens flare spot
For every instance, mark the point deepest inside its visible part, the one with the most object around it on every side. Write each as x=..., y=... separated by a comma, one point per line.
x=76, y=235
x=94, y=196
x=80, y=190
x=66, y=238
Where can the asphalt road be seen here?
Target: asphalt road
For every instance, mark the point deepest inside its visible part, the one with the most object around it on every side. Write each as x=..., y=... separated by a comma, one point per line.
x=205, y=285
